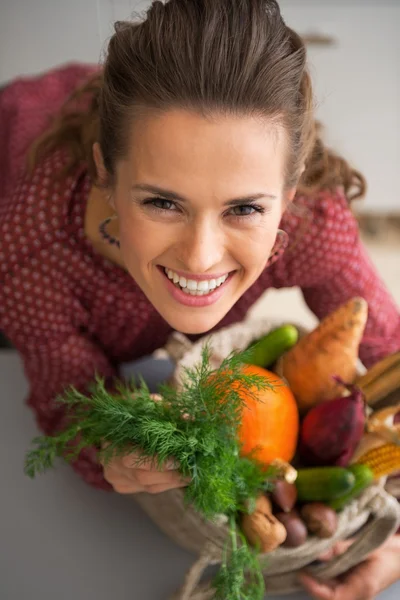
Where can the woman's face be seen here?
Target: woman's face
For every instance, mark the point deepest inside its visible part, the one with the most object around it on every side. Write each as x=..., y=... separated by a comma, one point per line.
x=199, y=203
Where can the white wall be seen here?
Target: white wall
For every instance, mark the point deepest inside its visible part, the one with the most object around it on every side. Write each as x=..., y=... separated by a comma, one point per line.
x=357, y=85
x=357, y=81
x=37, y=34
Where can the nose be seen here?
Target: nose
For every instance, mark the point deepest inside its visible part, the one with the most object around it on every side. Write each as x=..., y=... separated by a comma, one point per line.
x=202, y=248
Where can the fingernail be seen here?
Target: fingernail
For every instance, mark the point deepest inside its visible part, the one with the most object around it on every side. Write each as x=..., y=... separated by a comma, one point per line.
x=171, y=465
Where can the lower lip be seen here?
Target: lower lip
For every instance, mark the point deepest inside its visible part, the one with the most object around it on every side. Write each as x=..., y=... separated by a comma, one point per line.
x=195, y=301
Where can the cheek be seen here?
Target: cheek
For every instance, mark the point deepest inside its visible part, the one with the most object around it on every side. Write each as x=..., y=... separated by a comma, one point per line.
x=139, y=244
x=255, y=246
x=253, y=257
x=142, y=240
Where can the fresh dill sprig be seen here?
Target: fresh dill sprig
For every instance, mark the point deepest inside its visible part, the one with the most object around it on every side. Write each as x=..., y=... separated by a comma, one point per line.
x=240, y=577
x=204, y=444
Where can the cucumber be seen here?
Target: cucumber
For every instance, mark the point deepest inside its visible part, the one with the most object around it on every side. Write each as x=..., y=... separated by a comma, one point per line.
x=323, y=484
x=364, y=477
x=267, y=350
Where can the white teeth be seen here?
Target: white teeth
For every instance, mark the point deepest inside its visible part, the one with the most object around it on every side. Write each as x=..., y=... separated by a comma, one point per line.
x=195, y=288
x=203, y=286
x=191, y=285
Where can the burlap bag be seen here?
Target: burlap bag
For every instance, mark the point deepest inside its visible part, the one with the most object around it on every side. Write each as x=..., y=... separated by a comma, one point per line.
x=371, y=518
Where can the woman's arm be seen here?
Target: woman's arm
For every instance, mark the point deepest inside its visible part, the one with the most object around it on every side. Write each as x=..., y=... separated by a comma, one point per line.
x=358, y=277
x=27, y=105
x=331, y=265
x=51, y=368
x=56, y=353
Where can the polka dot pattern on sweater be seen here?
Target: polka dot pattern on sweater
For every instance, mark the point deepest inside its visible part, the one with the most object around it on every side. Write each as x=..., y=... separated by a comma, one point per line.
x=71, y=313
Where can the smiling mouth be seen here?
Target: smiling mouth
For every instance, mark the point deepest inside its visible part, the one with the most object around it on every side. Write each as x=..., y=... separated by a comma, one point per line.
x=193, y=287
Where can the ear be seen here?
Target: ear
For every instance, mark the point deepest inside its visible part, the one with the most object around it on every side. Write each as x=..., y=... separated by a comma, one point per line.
x=99, y=162
x=290, y=194
x=102, y=174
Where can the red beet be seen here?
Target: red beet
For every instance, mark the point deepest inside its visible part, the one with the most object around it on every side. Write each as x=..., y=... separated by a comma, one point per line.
x=332, y=430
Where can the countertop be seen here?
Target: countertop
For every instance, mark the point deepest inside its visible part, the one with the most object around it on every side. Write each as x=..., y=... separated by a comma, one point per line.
x=62, y=540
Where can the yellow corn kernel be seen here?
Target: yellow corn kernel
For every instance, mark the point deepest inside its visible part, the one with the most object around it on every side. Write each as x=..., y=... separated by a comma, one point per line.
x=383, y=460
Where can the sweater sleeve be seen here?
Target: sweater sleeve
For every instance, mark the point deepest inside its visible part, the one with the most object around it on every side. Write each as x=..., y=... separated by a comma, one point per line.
x=27, y=105
x=345, y=271
x=51, y=368
x=48, y=329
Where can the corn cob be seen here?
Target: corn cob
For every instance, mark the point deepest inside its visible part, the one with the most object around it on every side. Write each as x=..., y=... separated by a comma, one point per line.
x=381, y=380
x=379, y=369
x=383, y=460
x=368, y=442
x=381, y=423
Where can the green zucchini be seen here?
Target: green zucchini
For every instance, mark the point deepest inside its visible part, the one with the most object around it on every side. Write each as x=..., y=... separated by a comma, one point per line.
x=266, y=351
x=364, y=477
x=323, y=484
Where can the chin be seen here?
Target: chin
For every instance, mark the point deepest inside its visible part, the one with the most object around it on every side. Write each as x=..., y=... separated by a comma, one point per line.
x=193, y=325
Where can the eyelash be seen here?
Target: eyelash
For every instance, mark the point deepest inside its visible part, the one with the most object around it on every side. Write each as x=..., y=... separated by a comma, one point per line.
x=256, y=208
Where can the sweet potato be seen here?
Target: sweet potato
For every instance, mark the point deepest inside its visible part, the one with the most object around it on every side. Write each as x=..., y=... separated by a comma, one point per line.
x=329, y=351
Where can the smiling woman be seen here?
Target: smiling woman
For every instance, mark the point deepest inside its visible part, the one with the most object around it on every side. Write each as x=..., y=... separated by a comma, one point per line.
x=179, y=181
x=206, y=207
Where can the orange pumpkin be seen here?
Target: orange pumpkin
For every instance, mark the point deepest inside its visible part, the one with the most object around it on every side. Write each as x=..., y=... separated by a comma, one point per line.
x=270, y=420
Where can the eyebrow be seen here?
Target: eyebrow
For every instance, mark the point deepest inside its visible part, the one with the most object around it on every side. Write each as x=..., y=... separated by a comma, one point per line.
x=169, y=195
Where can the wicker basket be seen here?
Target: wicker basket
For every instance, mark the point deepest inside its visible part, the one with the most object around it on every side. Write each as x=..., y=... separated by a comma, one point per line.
x=371, y=518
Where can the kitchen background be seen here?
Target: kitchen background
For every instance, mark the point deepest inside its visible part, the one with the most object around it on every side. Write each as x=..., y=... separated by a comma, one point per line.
x=357, y=75
x=58, y=537
x=354, y=51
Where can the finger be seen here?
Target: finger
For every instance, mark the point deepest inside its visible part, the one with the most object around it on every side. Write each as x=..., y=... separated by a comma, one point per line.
x=122, y=484
x=136, y=460
x=101, y=454
x=328, y=555
x=148, y=478
x=106, y=457
x=336, y=550
x=158, y=489
x=133, y=488
x=357, y=584
x=112, y=472
x=360, y=583
x=317, y=589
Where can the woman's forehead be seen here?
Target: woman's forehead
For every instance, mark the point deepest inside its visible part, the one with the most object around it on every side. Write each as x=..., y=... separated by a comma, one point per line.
x=184, y=149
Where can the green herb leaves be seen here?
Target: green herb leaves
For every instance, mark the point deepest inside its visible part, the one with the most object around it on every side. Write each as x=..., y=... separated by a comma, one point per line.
x=195, y=425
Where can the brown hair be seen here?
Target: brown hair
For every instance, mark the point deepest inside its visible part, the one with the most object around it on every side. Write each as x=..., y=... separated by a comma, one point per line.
x=213, y=56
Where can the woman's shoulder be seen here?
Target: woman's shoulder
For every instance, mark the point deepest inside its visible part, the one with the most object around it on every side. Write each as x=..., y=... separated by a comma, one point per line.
x=323, y=231
x=316, y=212
x=27, y=105
x=37, y=210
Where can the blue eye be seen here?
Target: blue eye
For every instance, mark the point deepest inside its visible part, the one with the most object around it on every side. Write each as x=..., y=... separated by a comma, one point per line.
x=243, y=211
x=246, y=210
x=162, y=205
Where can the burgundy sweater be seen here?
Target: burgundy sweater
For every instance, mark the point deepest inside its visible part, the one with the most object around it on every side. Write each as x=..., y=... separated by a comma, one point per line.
x=71, y=313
